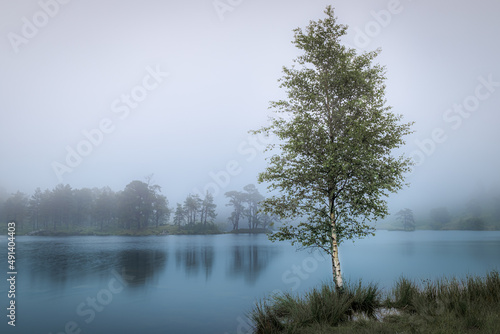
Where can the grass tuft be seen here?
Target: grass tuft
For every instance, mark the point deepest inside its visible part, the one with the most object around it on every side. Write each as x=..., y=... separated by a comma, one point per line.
x=326, y=306
x=470, y=305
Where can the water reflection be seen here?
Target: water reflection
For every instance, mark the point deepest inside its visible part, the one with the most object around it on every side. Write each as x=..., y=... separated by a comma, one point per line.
x=250, y=261
x=226, y=274
x=408, y=248
x=76, y=261
x=195, y=259
x=61, y=264
x=142, y=266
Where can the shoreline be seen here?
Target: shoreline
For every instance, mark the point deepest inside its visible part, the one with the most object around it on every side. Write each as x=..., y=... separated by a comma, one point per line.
x=170, y=231
x=134, y=233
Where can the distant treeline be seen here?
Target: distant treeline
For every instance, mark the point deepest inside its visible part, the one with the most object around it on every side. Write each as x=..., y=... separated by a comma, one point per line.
x=139, y=206
x=481, y=212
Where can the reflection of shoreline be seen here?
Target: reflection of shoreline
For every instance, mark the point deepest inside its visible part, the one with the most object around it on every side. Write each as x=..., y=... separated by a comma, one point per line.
x=133, y=233
x=59, y=263
x=143, y=265
x=242, y=261
x=195, y=258
x=250, y=261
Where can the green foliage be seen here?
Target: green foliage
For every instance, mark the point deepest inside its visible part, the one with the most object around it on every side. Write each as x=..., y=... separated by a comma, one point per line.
x=470, y=305
x=180, y=215
x=478, y=214
x=236, y=200
x=327, y=305
x=197, y=228
x=336, y=138
x=135, y=203
x=404, y=293
x=192, y=206
x=139, y=209
x=472, y=223
x=247, y=204
x=141, y=204
x=208, y=209
x=15, y=208
x=366, y=298
x=467, y=299
x=67, y=211
x=253, y=199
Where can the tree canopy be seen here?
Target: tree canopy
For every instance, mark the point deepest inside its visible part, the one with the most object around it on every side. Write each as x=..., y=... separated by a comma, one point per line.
x=247, y=204
x=407, y=218
x=334, y=163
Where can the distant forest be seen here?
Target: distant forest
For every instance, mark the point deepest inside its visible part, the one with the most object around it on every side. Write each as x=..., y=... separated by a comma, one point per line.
x=479, y=212
x=138, y=207
x=141, y=207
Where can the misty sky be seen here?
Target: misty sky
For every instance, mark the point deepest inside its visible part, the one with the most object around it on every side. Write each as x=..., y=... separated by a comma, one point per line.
x=174, y=86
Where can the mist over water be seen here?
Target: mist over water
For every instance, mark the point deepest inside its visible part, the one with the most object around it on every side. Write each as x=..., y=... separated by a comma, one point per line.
x=97, y=95
x=171, y=89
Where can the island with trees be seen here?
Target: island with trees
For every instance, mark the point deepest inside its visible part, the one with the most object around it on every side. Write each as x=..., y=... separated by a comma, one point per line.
x=139, y=209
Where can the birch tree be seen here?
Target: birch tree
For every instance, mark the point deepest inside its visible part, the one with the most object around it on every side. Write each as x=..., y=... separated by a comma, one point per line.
x=333, y=163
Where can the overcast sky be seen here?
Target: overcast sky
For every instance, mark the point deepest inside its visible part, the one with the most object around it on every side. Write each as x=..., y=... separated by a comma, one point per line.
x=171, y=88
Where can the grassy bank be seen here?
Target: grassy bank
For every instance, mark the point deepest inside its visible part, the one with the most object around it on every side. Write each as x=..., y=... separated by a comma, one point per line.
x=251, y=231
x=470, y=305
x=152, y=230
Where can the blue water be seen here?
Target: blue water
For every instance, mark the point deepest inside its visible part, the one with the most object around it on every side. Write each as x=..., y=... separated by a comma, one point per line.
x=206, y=284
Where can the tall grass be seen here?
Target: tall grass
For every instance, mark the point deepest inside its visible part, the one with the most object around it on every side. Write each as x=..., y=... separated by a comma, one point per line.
x=470, y=305
x=473, y=302
x=284, y=313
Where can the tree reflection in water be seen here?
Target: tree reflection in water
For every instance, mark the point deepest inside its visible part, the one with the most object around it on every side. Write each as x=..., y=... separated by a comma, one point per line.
x=142, y=265
x=195, y=258
x=249, y=261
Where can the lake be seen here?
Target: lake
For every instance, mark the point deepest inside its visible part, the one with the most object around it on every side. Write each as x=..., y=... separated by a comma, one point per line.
x=206, y=284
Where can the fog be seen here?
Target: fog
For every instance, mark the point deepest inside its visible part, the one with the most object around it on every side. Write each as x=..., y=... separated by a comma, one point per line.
x=99, y=93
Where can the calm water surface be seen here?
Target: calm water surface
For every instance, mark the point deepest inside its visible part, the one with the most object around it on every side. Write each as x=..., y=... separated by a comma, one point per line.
x=206, y=284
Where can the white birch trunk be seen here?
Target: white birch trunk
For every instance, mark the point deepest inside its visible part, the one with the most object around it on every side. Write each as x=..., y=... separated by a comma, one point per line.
x=337, y=276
